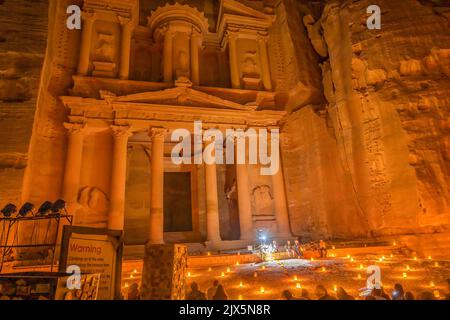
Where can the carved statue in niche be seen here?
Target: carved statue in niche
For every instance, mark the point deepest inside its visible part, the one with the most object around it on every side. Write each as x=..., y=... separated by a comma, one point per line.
x=315, y=34
x=262, y=200
x=182, y=72
x=105, y=47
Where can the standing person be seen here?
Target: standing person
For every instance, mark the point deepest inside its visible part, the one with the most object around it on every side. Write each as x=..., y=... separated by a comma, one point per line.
x=195, y=293
x=274, y=246
x=297, y=249
x=289, y=248
x=133, y=293
x=220, y=293
x=322, y=249
x=212, y=291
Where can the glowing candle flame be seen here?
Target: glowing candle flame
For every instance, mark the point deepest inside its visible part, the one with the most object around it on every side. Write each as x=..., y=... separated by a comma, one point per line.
x=436, y=294
x=394, y=243
x=298, y=286
x=255, y=274
x=359, y=276
x=126, y=284
x=436, y=264
x=351, y=259
x=348, y=256
x=228, y=270
x=240, y=297
x=237, y=263
x=295, y=278
x=415, y=258
x=135, y=270
x=333, y=255
x=361, y=266
x=333, y=247
x=241, y=284
x=429, y=258
x=324, y=269
x=391, y=255
x=131, y=276
x=222, y=274
x=312, y=259
x=189, y=274
x=335, y=287
x=210, y=269
x=405, y=275
x=262, y=290
x=263, y=267
x=432, y=284
x=407, y=267
x=209, y=253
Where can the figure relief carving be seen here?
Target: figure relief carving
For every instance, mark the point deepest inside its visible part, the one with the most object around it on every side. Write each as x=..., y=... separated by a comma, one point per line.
x=262, y=199
x=315, y=34
x=249, y=66
x=93, y=200
x=105, y=47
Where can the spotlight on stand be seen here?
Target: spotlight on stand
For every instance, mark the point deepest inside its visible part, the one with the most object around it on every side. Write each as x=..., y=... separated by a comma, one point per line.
x=9, y=210
x=45, y=208
x=26, y=209
x=58, y=206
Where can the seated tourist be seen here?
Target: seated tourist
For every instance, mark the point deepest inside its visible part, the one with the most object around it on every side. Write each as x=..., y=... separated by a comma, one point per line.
x=220, y=293
x=322, y=293
x=305, y=294
x=426, y=295
x=133, y=292
x=377, y=294
x=343, y=295
x=398, y=293
x=195, y=293
x=409, y=296
x=384, y=294
x=286, y=294
x=212, y=291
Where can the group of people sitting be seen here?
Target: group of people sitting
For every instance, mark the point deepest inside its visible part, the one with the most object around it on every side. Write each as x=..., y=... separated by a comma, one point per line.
x=376, y=294
x=295, y=250
x=215, y=292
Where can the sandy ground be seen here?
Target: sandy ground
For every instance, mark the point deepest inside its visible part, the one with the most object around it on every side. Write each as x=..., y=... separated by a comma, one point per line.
x=350, y=273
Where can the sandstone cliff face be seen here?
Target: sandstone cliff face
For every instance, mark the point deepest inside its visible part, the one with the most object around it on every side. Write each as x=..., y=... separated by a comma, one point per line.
x=387, y=111
x=23, y=35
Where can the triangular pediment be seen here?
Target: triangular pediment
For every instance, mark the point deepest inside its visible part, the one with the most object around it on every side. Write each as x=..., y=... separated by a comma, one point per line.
x=181, y=96
x=237, y=8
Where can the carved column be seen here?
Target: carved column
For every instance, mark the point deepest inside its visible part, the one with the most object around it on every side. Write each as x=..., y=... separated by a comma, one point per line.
x=116, y=216
x=125, y=48
x=265, y=64
x=243, y=191
x=86, y=39
x=156, y=235
x=212, y=201
x=234, y=63
x=168, y=56
x=72, y=171
x=195, y=69
x=279, y=194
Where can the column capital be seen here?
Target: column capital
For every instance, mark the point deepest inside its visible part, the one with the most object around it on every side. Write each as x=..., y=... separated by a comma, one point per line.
x=75, y=127
x=124, y=21
x=157, y=132
x=88, y=16
x=121, y=131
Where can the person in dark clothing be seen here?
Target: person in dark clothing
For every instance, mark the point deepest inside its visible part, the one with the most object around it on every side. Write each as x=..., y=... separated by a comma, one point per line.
x=343, y=295
x=399, y=293
x=322, y=293
x=220, y=293
x=195, y=293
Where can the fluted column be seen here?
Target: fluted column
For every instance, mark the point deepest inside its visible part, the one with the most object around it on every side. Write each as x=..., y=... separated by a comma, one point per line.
x=195, y=69
x=234, y=64
x=265, y=65
x=212, y=201
x=156, y=235
x=243, y=191
x=125, y=48
x=86, y=39
x=71, y=185
x=116, y=216
x=279, y=194
x=168, y=56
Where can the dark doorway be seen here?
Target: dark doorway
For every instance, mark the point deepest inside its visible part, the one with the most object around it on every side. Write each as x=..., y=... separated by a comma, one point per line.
x=177, y=202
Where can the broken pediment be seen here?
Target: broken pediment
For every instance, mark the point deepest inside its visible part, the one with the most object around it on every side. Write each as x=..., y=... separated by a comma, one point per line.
x=237, y=8
x=182, y=96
